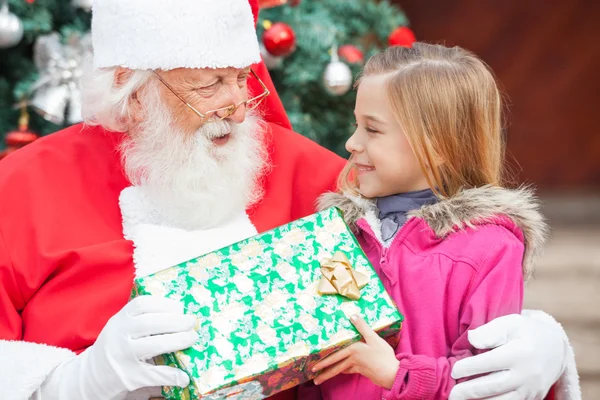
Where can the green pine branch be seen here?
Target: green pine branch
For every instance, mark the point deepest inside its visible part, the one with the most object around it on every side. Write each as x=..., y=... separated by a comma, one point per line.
x=313, y=112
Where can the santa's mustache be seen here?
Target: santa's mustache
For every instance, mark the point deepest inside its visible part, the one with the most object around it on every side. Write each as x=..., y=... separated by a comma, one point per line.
x=196, y=182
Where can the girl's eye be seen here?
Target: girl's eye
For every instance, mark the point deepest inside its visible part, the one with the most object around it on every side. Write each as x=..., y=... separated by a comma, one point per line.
x=370, y=130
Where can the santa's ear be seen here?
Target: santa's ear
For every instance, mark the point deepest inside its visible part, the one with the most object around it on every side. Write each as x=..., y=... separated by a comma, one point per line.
x=121, y=77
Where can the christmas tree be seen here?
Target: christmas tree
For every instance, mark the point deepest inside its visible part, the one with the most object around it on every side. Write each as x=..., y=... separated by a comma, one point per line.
x=22, y=24
x=314, y=88
x=42, y=43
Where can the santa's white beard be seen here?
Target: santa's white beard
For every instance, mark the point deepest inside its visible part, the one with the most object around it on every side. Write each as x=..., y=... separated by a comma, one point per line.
x=190, y=181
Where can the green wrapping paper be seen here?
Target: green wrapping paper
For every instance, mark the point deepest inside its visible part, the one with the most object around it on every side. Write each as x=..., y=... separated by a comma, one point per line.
x=262, y=322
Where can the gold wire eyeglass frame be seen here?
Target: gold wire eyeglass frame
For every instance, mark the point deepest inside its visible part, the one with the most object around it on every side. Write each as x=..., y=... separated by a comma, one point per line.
x=229, y=110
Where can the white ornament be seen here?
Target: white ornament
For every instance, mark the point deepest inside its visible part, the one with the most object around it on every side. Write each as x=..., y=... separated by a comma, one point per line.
x=271, y=62
x=337, y=77
x=84, y=4
x=11, y=28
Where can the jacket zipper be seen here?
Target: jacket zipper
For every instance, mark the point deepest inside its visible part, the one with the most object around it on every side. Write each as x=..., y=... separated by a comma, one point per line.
x=384, y=250
x=383, y=259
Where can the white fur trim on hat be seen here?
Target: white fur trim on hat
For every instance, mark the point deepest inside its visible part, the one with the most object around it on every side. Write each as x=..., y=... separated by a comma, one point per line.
x=168, y=34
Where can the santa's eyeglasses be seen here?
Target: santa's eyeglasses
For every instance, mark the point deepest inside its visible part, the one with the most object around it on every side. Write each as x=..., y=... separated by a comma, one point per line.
x=250, y=104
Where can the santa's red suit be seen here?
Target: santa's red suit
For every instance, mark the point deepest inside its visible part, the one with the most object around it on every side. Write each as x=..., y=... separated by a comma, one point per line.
x=65, y=266
x=70, y=241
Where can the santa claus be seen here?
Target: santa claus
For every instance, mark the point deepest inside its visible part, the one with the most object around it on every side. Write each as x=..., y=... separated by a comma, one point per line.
x=185, y=149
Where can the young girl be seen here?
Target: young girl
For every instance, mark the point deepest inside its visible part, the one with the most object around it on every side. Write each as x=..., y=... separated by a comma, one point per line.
x=423, y=191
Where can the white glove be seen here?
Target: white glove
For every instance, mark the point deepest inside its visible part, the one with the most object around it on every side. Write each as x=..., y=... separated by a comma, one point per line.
x=115, y=364
x=528, y=357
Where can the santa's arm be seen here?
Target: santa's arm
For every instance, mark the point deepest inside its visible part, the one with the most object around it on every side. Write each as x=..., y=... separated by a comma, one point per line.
x=23, y=366
x=530, y=354
x=567, y=387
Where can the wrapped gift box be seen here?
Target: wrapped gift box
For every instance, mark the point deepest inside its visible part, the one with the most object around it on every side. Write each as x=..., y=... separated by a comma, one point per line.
x=263, y=322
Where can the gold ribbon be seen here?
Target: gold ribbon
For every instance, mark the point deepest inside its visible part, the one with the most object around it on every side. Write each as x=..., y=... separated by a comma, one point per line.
x=340, y=277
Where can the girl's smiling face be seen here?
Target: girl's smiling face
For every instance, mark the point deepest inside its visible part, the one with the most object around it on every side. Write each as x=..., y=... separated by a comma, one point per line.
x=384, y=161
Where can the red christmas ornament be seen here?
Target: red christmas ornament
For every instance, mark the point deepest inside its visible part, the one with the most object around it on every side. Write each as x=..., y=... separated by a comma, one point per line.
x=402, y=36
x=351, y=54
x=30, y=1
x=21, y=137
x=271, y=3
x=277, y=3
x=279, y=38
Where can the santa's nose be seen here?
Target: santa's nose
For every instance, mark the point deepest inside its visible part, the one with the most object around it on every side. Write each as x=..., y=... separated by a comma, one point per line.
x=238, y=114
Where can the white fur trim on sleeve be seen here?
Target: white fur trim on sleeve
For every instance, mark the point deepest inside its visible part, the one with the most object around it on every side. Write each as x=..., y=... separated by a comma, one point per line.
x=567, y=387
x=24, y=366
x=168, y=34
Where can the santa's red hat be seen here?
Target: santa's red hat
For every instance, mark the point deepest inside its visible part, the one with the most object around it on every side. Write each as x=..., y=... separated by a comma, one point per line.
x=169, y=34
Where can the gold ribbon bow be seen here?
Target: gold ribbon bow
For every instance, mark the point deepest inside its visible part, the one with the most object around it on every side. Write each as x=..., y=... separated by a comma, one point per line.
x=340, y=277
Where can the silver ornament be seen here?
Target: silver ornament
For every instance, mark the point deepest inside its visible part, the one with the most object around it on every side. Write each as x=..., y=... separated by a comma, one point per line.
x=47, y=52
x=84, y=4
x=271, y=62
x=56, y=92
x=74, y=110
x=11, y=28
x=50, y=102
x=337, y=77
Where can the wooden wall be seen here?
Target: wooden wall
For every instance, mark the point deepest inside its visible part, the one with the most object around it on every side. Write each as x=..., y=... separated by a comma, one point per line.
x=546, y=55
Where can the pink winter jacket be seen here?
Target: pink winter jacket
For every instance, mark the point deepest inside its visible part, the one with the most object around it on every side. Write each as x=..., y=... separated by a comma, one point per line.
x=452, y=267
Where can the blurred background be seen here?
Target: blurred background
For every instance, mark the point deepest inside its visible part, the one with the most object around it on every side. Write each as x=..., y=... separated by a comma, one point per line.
x=545, y=55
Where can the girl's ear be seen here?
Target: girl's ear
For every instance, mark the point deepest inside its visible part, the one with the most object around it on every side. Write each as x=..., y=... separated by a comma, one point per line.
x=438, y=161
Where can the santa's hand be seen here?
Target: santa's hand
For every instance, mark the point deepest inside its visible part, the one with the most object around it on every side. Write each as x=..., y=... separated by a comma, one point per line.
x=528, y=357
x=116, y=363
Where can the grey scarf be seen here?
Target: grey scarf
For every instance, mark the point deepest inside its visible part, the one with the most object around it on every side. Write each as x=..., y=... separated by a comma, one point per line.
x=393, y=209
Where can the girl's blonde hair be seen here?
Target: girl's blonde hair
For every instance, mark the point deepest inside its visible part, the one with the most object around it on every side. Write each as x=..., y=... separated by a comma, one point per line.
x=450, y=108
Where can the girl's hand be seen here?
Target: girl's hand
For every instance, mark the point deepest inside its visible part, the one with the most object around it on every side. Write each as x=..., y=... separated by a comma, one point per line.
x=374, y=358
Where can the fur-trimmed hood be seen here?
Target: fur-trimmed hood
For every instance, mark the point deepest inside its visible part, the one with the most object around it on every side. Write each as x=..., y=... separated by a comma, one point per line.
x=468, y=208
